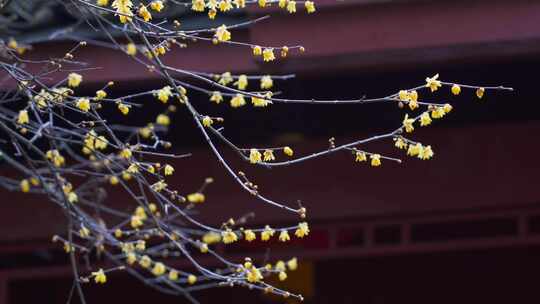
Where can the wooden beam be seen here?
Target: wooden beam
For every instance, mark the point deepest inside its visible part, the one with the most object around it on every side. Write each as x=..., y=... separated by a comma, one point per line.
x=350, y=36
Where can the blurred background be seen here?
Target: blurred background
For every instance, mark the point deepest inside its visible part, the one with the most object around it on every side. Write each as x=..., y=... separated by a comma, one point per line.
x=463, y=227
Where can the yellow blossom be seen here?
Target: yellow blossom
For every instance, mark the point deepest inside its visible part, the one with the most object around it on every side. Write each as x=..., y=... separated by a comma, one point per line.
x=268, y=155
x=408, y=123
x=268, y=54
x=131, y=49
x=438, y=112
x=101, y=143
x=173, y=275
x=400, y=143
x=125, y=153
x=254, y=275
x=124, y=108
x=225, y=5
x=157, y=5
x=159, y=186
x=267, y=233
x=291, y=6
x=136, y=221
x=144, y=13
x=196, y=198
x=118, y=233
x=12, y=44
x=360, y=156
x=266, y=82
x=415, y=149
x=456, y=89
x=83, y=104
x=54, y=156
x=123, y=9
x=140, y=212
x=212, y=14
x=447, y=108
x=249, y=235
x=254, y=156
x=25, y=186
x=282, y=3
x=159, y=269
x=425, y=119
x=257, y=50
x=238, y=101
x=133, y=168
x=131, y=258
x=280, y=266
x=282, y=276
x=262, y=3
x=242, y=82
x=375, y=160
x=68, y=247
x=433, y=83
x=225, y=78
x=259, y=102
x=72, y=197
x=99, y=276
x=23, y=117
x=302, y=230
x=34, y=181
x=222, y=34
x=113, y=180
x=141, y=245
x=164, y=94
x=163, y=119
x=228, y=236
x=211, y=238
x=216, y=97
x=192, y=279
x=145, y=132
x=288, y=151
x=207, y=121
x=480, y=92
x=100, y=95
x=404, y=95
x=168, y=170
x=74, y=80
x=425, y=153
x=102, y=2
x=284, y=236
x=126, y=176
x=310, y=6
x=203, y=248
x=413, y=104
x=161, y=50
x=240, y=3
x=145, y=261
x=413, y=96
x=292, y=264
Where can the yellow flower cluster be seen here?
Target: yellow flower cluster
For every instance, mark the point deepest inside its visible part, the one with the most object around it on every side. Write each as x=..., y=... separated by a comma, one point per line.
x=99, y=276
x=164, y=94
x=23, y=117
x=74, y=80
x=410, y=97
x=433, y=83
x=222, y=34
x=228, y=236
x=55, y=157
x=361, y=156
x=196, y=198
x=422, y=152
x=123, y=10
